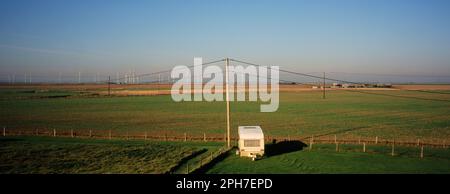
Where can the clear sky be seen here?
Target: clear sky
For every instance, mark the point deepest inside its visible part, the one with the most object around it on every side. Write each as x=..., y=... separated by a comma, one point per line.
x=45, y=37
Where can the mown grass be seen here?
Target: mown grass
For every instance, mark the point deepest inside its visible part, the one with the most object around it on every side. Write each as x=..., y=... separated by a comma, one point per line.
x=72, y=155
x=350, y=159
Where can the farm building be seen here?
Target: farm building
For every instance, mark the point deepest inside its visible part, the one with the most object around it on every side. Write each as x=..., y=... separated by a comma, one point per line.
x=336, y=85
x=251, y=141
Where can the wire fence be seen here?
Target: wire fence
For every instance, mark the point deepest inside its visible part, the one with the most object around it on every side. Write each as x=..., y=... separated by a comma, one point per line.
x=202, y=161
x=162, y=136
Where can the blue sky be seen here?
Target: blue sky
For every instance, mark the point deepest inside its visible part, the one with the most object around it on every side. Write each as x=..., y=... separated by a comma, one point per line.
x=404, y=37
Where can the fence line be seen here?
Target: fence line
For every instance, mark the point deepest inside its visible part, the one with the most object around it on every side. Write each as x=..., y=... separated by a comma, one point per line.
x=145, y=135
x=205, y=160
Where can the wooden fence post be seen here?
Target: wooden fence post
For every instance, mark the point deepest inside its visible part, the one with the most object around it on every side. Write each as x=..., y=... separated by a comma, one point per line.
x=418, y=142
x=145, y=136
x=364, y=147
x=310, y=144
x=37, y=132
x=71, y=132
x=90, y=133
x=224, y=137
x=376, y=140
x=4, y=131
x=54, y=132
x=421, y=151
x=337, y=147
x=289, y=137
x=393, y=148
x=204, y=137
x=335, y=138
x=185, y=136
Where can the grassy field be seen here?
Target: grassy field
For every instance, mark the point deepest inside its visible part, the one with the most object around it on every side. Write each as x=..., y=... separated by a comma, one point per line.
x=399, y=114
x=73, y=155
x=350, y=159
x=299, y=114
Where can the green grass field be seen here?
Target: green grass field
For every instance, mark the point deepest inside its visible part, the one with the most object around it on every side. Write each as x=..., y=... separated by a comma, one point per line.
x=350, y=159
x=72, y=155
x=342, y=113
x=299, y=114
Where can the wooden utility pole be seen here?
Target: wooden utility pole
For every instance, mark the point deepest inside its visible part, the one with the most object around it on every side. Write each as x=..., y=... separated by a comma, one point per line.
x=364, y=147
x=159, y=82
x=323, y=85
x=109, y=85
x=393, y=149
x=227, y=61
x=421, y=151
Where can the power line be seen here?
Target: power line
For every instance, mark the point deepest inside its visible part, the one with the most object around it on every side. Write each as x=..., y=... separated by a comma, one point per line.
x=165, y=71
x=365, y=92
x=357, y=91
x=298, y=73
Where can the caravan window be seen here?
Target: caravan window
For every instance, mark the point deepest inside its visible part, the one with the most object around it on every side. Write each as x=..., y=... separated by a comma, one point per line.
x=251, y=143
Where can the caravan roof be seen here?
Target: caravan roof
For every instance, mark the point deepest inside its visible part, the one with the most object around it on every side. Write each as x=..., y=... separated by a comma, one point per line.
x=250, y=132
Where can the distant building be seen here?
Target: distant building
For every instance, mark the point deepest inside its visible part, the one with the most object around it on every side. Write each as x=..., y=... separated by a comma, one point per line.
x=336, y=85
